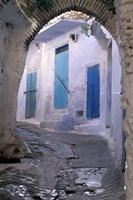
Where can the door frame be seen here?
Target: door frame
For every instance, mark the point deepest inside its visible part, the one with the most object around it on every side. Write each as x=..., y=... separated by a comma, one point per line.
x=28, y=73
x=61, y=46
x=90, y=65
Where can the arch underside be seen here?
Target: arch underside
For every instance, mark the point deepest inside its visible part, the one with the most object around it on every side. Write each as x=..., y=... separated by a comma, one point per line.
x=40, y=17
x=95, y=8
x=21, y=25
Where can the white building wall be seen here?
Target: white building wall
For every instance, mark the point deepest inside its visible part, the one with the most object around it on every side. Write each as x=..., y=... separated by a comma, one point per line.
x=116, y=100
x=84, y=53
x=33, y=64
x=91, y=54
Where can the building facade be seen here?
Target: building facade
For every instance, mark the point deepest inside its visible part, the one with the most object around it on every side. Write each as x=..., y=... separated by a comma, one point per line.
x=72, y=82
x=17, y=33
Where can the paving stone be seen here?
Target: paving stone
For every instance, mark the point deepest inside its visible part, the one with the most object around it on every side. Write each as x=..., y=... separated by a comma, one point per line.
x=48, y=175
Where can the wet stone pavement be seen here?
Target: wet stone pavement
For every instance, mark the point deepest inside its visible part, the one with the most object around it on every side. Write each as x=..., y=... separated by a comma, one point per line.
x=62, y=166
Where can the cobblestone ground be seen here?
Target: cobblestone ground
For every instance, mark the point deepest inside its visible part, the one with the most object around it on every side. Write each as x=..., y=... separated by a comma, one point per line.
x=62, y=166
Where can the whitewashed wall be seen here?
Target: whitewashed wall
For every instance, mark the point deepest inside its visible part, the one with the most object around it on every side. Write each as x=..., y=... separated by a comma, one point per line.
x=84, y=53
x=116, y=115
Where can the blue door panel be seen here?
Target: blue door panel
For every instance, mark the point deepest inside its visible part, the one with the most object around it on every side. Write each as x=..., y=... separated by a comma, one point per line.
x=93, y=92
x=33, y=81
x=27, y=108
x=96, y=96
x=33, y=104
x=31, y=95
x=89, y=101
x=61, y=80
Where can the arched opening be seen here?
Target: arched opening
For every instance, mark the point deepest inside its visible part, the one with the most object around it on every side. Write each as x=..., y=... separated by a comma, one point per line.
x=21, y=34
x=104, y=12
x=32, y=33
x=100, y=63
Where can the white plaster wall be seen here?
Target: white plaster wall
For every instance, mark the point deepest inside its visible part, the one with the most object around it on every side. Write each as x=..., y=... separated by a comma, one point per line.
x=84, y=53
x=90, y=53
x=21, y=98
x=116, y=100
x=103, y=82
x=33, y=64
x=5, y=33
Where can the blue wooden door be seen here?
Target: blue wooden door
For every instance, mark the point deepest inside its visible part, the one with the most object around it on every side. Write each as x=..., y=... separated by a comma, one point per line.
x=93, y=92
x=31, y=95
x=61, y=78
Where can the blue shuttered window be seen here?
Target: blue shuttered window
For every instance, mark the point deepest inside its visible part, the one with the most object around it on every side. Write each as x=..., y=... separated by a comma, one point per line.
x=31, y=95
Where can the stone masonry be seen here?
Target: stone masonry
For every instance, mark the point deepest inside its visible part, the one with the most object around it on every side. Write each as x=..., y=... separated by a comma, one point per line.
x=18, y=27
x=21, y=27
x=125, y=28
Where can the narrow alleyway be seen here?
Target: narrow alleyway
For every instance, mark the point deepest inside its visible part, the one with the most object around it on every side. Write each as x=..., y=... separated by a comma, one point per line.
x=62, y=166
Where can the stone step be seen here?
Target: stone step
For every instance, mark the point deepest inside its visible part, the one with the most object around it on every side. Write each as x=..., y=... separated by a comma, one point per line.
x=60, y=111
x=87, y=129
x=66, y=124
x=54, y=116
x=50, y=124
x=57, y=114
x=95, y=130
x=92, y=127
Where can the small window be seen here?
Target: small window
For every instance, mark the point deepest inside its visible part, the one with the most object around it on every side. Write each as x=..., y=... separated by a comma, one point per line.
x=79, y=113
x=62, y=49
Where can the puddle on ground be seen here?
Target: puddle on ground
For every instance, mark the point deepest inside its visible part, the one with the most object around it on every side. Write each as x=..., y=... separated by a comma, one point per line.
x=22, y=191
x=85, y=182
x=91, y=177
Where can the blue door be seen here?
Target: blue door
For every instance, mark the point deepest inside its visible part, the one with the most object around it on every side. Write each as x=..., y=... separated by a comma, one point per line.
x=93, y=92
x=31, y=95
x=61, y=78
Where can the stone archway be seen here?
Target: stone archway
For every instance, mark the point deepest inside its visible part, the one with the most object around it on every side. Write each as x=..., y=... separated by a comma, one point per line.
x=17, y=32
x=125, y=33
x=21, y=24
x=104, y=12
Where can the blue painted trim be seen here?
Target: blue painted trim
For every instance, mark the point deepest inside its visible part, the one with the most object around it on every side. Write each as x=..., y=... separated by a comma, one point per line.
x=61, y=79
x=93, y=92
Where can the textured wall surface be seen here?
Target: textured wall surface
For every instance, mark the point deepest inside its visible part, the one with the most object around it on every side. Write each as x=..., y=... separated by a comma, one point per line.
x=40, y=16
x=85, y=53
x=24, y=20
x=78, y=63
x=10, y=143
x=125, y=28
x=14, y=60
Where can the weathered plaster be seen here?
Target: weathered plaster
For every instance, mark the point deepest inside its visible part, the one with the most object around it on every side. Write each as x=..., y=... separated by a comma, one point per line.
x=40, y=16
x=11, y=145
x=125, y=31
x=23, y=35
x=38, y=60
x=124, y=10
x=12, y=59
x=84, y=53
